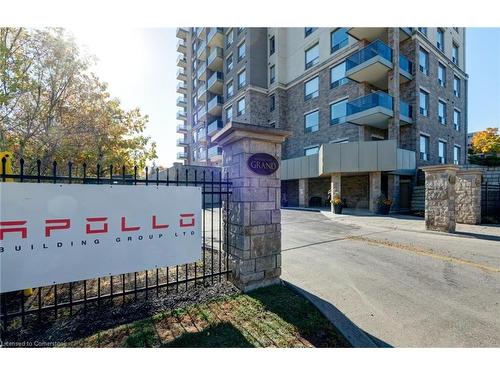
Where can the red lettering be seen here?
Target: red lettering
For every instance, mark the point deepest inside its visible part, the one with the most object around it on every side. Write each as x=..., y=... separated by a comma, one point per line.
x=22, y=230
x=65, y=224
x=104, y=228
x=128, y=229
x=158, y=226
x=186, y=217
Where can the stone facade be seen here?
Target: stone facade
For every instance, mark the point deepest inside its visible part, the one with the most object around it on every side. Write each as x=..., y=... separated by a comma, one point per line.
x=356, y=191
x=468, y=196
x=375, y=189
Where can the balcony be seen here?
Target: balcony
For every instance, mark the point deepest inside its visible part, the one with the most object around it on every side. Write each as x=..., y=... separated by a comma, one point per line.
x=181, y=46
x=181, y=115
x=370, y=64
x=181, y=33
x=215, y=106
x=181, y=74
x=373, y=33
x=405, y=69
x=181, y=61
x=181, y=88
x=215, y=83
x=182, y=142
x=215, y=37
x=201, y=136
x=202, y=93
x=201, y=72
x=374, y=109
x=215, y=60
x=182, y=155
x=202, y=115
x=405, y=113
x=201, y=52
x=405, y=33
x=215, y=153
x=201, y=32
x=182, y=129
x=182, y=101
x=214, y=127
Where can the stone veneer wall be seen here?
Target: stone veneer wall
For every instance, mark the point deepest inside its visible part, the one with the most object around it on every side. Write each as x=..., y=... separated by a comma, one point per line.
x=440, y=198
x=355, y=191
x=468, y=197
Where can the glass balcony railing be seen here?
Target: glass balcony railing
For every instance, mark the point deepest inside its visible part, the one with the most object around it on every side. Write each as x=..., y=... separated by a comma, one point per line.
x=405, y=64
x=181, y=86
x=201, y=71
x=216, y=53
x=181, y=114
x=182, y=142
x=181, y=128
x=182, y=155
x=215, y=101
x=376, y=99
x=201, y=49
x=214, y=151
x=213, y=32
x=405, y=109
x=376, y=48
x=214, y=77
x=214, y=127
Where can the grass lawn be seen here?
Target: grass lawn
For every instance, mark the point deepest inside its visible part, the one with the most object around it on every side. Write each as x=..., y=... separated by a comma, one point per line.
x=269, y=317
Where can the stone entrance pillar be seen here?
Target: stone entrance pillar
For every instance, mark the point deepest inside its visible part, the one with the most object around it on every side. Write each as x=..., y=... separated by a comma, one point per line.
x=375, y=189
x=303, y=192
x=440, y=197
x=468, y=196
x=394, y=191
x=254, y=208
x=335, y=187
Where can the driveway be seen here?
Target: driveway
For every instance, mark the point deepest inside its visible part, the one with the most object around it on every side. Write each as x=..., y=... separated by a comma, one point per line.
x=401, y=285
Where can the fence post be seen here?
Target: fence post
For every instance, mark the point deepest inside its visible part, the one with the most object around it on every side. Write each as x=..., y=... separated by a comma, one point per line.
x=251, y=157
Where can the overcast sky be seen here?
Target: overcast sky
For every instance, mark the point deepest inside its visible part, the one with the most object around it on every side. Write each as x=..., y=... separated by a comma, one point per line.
x=140, y=67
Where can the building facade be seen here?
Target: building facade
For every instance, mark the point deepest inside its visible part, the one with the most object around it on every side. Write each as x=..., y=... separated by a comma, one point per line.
x=366, y=106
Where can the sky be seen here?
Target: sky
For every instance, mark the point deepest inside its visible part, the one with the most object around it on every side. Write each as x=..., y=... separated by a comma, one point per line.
x=139, y=66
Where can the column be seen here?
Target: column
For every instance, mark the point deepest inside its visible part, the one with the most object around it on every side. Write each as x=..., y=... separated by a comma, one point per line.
x=440, y=197
x=251, y=155
x=393, y=84
x=303, y=192
x=375, y=189
x=468, y=196
x=393, y=191
x=335, y=187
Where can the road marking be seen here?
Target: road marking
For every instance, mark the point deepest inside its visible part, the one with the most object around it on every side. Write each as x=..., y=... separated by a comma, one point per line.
x=423, y=251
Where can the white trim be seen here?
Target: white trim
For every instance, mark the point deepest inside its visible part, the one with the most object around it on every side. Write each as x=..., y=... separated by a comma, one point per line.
x=380, y=137
x=311, y=111
x=442, y=140
x=340, y=140
x=346, y=97
x=425, y=134
x=424, y=89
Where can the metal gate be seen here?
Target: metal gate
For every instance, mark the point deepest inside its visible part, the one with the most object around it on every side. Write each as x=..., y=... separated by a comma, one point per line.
x=17, y=309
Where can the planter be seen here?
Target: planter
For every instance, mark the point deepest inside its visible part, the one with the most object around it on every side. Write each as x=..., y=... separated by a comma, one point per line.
x=337, y=209
x=383, y=210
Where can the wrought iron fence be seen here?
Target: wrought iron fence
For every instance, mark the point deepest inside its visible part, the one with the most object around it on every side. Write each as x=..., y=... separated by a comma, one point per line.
x=50, y=302
x=490, y=202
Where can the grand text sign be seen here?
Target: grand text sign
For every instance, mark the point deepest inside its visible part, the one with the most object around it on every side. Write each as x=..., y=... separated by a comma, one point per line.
x=61, y=233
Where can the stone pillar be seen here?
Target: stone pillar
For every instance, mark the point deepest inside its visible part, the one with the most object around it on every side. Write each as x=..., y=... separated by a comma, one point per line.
x=440, y=197
x=468, y=196
x=375, y=189
x=393, y=84
x=335, y=186
x=303, y=192
x=393, y=191
x=254, y=207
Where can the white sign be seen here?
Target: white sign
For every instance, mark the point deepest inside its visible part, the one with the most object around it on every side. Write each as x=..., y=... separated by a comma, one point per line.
x=51, y=233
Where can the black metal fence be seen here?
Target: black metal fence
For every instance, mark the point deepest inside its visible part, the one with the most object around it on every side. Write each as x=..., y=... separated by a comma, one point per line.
x=490, y=202
x=17, y=309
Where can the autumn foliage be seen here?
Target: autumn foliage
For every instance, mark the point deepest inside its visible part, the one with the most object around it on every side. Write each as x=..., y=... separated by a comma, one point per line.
x=486, y=141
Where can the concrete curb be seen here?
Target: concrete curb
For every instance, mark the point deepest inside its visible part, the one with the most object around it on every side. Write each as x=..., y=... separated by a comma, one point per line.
x=353, y=334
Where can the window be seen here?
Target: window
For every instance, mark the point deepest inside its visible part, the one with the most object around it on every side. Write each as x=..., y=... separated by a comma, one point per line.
x=454, y=54
x=309, y=30
x=442, y=112
x=272, y=45
x=442, y=152
x=272, y=102
x=424, y=147
x=272, y=74
x=338, y=39
x=242, y=79
x=241, y=106
x=423, y=61
x=311, y=150
x=424, y=103
x=456, y=119
x=440, y=39
x=456, y=86
x=312, y=56
x=229, y=89
x=338, y=112
x=456, y=154
x=423, y=30
x=229, y=38
x=441, y=75
x=337, y=75
x=229, y=63
x=229, y=114
x=242, y=51
x=311, y=88
x=311, y=122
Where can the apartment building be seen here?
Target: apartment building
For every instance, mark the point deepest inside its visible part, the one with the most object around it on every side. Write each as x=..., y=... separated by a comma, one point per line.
x=366, y=106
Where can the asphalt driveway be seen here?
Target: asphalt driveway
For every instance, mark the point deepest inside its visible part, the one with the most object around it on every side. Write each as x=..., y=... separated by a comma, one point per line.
x=401, y=285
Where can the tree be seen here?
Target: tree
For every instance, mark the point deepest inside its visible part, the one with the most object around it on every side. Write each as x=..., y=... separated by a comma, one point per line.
x=486, y=141
x=53, y=108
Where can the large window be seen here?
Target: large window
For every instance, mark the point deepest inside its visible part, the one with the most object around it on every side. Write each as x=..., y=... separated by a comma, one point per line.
x=272, y=102
x=311, y=122
x=311, y=88
x=456, y=154
x=229, y=89
x=272, y=74
x=312, y=56
x=242, y=51
x=338, y=112
x=229, y=38
x=311, y=150
x=309, y=30
x=440, y=39
x=272, y=45
x=229, y=114
x=442, y=112
x=457, y=119
x=241, y=107
x=338, y=39
x=454, y=54
x=424, y=103
x=423, y=61
x=456, y=86
x=229, y=63
x=424, y=147
x=337, y=75
x=423, y=30
x=242, y=79
x=442, y=152
x=441, y=75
